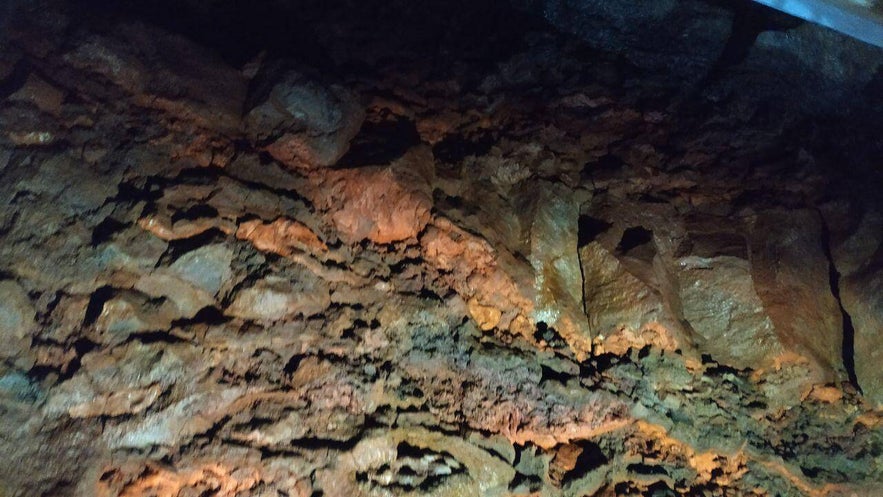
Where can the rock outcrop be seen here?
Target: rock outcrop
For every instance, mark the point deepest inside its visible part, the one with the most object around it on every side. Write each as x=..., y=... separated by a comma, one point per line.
x=396, y=252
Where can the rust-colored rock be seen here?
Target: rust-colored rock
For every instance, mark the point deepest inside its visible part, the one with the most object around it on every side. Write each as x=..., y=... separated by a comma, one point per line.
x=282, y=236
x=467, y=263
x=378, y=204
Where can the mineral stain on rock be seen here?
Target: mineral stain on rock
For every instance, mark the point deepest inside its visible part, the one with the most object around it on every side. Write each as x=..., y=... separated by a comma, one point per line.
x=437, y=249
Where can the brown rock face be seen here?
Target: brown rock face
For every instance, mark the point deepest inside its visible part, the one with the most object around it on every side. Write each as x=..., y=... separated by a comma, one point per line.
x=304, y=123
x=274, y=299
x=163, y=72
x=375, y=205
x=793, y=278
x=434, y=249
x=720, y=302
x=857, y=260
x=560, y=301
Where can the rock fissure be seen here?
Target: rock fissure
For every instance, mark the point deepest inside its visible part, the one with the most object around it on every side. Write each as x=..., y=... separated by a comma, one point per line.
x=848, y=328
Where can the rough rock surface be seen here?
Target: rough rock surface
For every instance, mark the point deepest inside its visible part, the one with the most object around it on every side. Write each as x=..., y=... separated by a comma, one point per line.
x=434, y=249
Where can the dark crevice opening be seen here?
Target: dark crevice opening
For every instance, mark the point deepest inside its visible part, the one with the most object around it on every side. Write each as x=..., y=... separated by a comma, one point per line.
x=179, y=247
x=659, y=489
x=15, y=79
x=456, y=147
x=155, y=336
x=105, y=230
x=633, y=238
x=590, y=459
x=194, y=213
x=210, y=315
x=96, y=304
x=589, y=229
x=81, y=347
x=810, y=472
x=646, y=469
x=550, y=335
x=531, y=483
x=380, y=143
x=637, y=243
x=848, y=344
x=549, y=374
x=292, y=364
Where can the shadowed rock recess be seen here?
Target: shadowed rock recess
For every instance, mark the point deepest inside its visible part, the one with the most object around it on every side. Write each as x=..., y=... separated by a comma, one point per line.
x=417, y=248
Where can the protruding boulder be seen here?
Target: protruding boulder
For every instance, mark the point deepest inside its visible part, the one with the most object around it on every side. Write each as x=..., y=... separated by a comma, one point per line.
x=124, y=315
x=381, y=204
x=626, y=256
x=207, y=267
x=303, y=123
x=276, y=298
x=188, y=299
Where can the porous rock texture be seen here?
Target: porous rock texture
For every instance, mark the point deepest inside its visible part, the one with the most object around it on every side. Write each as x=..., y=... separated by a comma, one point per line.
x=437, y=249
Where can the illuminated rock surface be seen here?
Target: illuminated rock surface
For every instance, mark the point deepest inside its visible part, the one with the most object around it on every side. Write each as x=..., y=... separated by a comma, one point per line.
x=438, y=249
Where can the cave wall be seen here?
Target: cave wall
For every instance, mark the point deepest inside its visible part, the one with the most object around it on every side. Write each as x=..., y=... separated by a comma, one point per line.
x=559, y=248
